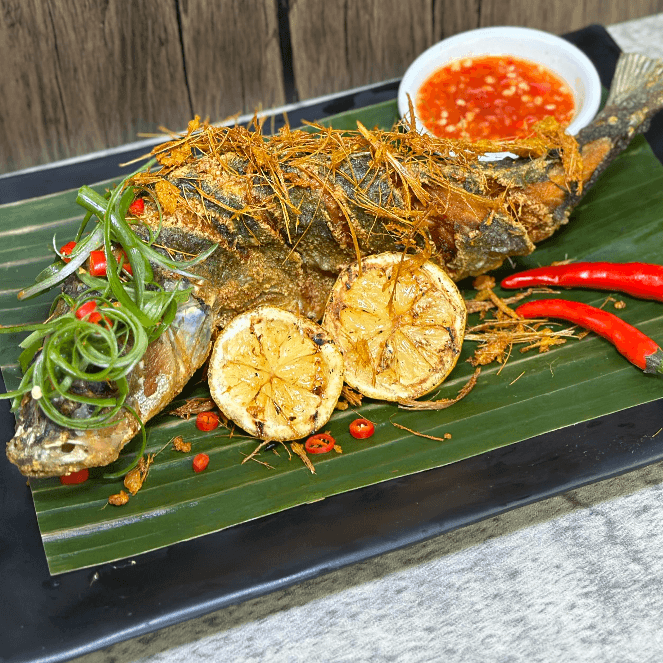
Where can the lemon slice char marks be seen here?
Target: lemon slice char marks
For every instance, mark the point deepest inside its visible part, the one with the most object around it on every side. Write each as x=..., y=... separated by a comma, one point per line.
x=399, y=326
x=275, y=374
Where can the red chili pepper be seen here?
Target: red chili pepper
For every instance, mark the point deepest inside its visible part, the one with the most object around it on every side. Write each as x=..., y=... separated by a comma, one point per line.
x=66, y=250
x=88, y=312
x=97, y=263
x=207, y=421
x=638, y=279
x=637, y=347
x=75, y=477
x=137, y=207
x=200, y=462
x=362, y=428
x=320, y=443
x=121, y=256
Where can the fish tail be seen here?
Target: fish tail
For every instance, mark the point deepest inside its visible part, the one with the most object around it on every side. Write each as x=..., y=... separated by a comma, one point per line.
x=637, y=75
x=635, y=96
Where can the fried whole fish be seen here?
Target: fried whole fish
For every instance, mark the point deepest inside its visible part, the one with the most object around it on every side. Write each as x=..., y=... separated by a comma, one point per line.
x=289, y=212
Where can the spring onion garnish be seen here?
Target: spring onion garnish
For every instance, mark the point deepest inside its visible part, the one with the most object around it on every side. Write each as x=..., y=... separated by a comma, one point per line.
x=100, y=335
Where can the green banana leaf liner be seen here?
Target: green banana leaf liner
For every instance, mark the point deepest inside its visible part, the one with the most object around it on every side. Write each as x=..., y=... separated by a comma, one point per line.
x=621, y=219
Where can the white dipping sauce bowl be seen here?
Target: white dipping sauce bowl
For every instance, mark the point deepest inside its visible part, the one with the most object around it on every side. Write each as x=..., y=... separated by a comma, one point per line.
x=555, y=53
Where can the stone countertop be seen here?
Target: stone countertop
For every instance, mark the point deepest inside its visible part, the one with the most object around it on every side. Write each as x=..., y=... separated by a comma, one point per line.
x=640, y=36
x=578, y=577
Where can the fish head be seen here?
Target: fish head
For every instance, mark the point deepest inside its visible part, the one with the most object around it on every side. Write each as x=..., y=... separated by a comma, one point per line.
x=42, y=448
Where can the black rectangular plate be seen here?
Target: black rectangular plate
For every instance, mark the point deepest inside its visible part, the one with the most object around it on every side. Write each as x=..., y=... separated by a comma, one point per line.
x=57, y=618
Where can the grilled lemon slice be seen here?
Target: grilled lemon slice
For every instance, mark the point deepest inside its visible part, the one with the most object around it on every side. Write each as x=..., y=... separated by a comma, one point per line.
x=275, y=374
x=399, y=326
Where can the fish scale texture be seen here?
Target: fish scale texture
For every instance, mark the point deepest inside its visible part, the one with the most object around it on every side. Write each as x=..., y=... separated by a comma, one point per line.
x=581, y=584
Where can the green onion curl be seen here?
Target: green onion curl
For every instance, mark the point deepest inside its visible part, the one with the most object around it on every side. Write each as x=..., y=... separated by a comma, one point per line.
x=64, y=353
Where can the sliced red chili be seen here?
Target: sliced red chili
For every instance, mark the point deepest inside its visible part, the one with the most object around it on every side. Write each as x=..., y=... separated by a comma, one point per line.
x=121, y=257
x=200, y=462
x=75, y=477
x=207, y=421
x=320, y=443
x=88, y=312
x=66, y=251
x=637, y=347
x=98, y=263
x=637, y=279
x=362, y=428
x=137, y=207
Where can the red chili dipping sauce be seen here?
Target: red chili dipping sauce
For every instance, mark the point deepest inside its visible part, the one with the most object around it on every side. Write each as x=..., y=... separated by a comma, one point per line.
x=492, y=97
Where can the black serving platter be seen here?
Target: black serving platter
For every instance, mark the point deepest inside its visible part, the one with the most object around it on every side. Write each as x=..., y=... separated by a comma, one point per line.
x=48, y=618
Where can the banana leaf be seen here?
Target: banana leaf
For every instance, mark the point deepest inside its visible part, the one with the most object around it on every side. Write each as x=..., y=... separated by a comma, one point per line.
x=620, y=219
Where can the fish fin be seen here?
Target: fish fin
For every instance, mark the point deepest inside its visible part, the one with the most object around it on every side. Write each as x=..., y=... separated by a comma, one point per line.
x=635, y=96
x=635, y=72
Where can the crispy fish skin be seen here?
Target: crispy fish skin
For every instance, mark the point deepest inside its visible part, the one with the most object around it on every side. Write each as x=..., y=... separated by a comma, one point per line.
x=287, y=220
x=474, y=214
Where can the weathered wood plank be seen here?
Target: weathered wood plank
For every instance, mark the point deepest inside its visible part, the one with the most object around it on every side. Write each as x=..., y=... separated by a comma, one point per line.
x=453, y=16
x=81, y=75
x=31, y=111
x=563, y=15
x=232, y=56
x=85, y=75
x=340, y=44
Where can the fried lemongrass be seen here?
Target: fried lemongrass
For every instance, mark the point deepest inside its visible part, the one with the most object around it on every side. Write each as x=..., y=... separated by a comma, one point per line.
x=442, y=403
x=497, y=337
